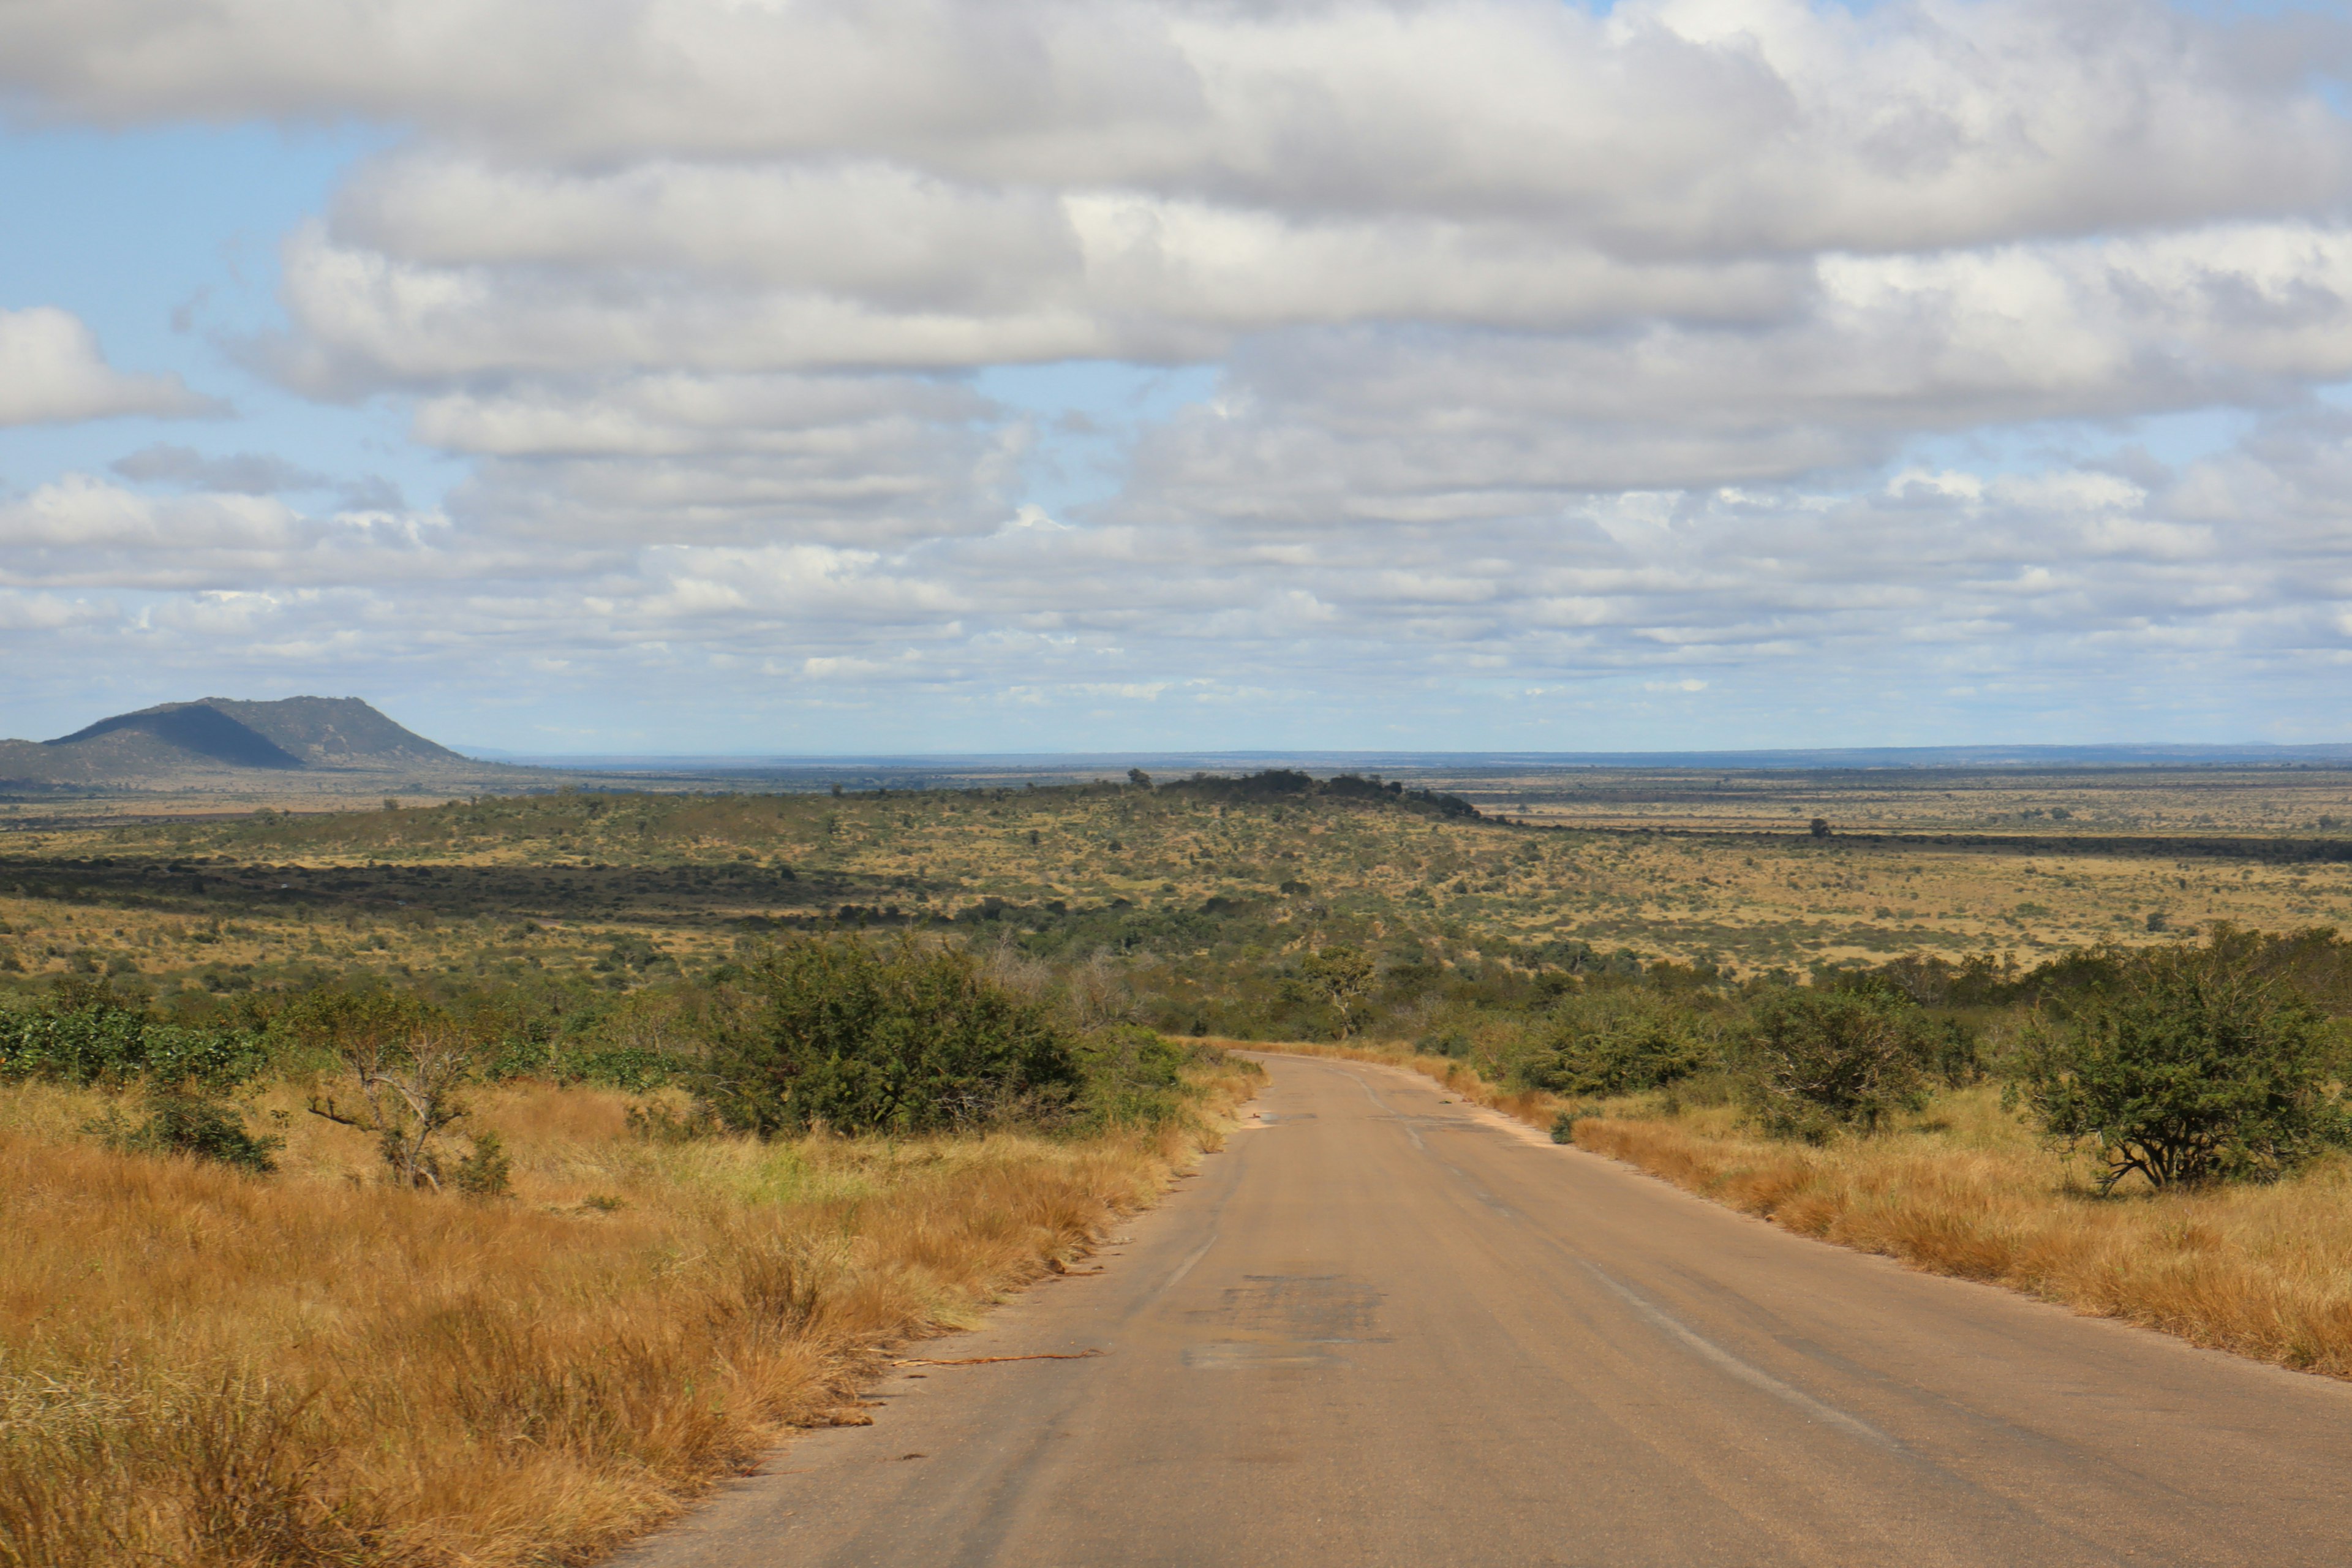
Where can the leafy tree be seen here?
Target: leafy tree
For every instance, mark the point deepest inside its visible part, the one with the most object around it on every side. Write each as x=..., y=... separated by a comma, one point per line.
x=2192, y=1068
x=836, y=1032
x=1342, y=976
x=1812, y=1062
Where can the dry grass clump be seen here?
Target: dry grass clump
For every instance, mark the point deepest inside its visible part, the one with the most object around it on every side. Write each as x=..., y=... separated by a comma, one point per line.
x=1967, y=1189
x=201, y=1368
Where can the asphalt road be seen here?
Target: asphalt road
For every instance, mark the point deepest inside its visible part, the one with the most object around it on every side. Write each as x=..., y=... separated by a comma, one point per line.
x=1384, y=1329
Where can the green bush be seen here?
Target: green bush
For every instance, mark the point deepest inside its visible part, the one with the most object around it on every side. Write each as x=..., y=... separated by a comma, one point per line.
x=1132, y=1077
x=95, y=1036
x=1810, y=1063
x=836, y=1032
x=1618, y=1040
x=182, y=1122
x=2193, y=1067
x=487, y=1171
x=635, y=1068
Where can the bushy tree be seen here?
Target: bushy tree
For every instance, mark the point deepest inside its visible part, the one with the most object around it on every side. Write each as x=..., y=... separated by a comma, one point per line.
x=1341, y=977
x=864, y=1039
x=2193, y=1067
x=1618, y=1040
x=1813, y=1062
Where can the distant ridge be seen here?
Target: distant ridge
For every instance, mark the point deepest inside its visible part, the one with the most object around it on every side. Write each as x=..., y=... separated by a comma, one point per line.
x=215, y=739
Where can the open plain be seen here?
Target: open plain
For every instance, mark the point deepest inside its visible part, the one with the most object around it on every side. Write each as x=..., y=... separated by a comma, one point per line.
x=1658, y=864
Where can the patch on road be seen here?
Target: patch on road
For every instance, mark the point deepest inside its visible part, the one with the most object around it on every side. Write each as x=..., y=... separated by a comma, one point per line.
x=1288, y=1321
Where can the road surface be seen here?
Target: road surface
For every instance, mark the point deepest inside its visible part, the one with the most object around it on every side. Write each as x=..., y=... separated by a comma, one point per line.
x=1385, y=1329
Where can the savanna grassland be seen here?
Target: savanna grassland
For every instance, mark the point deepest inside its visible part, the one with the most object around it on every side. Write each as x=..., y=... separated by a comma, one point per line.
x=450, y=1195
x=475, y=1181
x=616, y=887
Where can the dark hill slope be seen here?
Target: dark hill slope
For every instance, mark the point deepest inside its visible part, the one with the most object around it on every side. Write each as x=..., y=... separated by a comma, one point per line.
x=337, y=732
x=181, y=734
x=218, y=741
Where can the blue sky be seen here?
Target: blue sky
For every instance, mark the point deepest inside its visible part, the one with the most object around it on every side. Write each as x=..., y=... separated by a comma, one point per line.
x=1919, y=388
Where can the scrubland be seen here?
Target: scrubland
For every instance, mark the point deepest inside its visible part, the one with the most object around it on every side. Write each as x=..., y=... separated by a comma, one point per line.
x=612, y=889
x=321, y=1365
x=201, y=1367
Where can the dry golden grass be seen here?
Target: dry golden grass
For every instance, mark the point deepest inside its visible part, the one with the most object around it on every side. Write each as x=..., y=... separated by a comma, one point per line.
x=2264, y=1271
x=1967, y=1189
x=199, y=1368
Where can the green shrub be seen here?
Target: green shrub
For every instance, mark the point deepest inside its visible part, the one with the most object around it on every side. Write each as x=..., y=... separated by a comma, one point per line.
x=634, y=1069
x=836, y=1032
x=1451, y=1041
x=180, y=1121
x=1132, y=1077
x=2194, y=1066
x=1808, y=1063
x=487, y=1171
x=93, y=1036
x=1617, y=1041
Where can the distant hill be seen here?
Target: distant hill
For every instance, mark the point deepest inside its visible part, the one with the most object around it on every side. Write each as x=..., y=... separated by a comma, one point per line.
x=217, y=739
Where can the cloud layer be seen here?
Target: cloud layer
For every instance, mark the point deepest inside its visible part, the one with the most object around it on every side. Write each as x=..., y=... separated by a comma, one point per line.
x=1557, y=355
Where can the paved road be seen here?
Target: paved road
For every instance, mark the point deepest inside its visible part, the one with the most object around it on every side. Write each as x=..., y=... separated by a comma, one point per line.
x=1381, y=1329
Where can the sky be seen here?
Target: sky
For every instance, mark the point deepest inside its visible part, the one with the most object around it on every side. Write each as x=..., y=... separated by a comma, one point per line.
x=901, y=376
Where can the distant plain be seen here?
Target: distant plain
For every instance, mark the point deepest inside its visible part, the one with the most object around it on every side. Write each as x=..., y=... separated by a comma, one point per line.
x=202, y=890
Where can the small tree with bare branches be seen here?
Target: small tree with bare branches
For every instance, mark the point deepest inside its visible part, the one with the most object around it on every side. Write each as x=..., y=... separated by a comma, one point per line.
x=409, y=1068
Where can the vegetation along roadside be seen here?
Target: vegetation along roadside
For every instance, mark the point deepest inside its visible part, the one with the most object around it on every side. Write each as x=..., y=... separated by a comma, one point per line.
x=366, y=1276
x=2155, y=1136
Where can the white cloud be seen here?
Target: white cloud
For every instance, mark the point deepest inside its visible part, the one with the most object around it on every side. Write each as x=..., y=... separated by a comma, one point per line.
x=1552, y=349
x=51, y=371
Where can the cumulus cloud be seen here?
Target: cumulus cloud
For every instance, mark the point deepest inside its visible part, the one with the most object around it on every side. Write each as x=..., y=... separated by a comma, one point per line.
x=51, y=371
x=80, y=531
x=1673, y=123
x=1550, y=346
